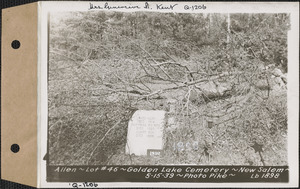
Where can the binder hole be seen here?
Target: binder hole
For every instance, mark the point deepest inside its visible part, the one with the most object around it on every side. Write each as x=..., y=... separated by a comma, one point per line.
x=15, y=148
x=15, y=44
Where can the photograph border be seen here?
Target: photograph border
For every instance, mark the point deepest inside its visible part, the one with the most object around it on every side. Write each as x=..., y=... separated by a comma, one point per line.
x=212, y=7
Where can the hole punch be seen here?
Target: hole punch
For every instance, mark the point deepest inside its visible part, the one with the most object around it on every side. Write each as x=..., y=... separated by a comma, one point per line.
x=15, y=148
x=15, y=44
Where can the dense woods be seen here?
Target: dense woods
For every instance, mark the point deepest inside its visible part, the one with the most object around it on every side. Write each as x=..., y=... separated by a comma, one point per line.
x=225, y=74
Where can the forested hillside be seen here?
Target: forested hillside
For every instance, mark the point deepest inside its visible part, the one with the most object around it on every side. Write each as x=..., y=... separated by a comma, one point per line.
x=224, y=73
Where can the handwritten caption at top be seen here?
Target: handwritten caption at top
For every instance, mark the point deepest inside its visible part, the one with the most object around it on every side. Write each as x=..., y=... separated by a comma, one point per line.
x=146, y=6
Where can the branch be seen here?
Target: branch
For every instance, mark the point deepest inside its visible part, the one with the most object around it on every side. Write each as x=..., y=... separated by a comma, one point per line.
x=91, y=155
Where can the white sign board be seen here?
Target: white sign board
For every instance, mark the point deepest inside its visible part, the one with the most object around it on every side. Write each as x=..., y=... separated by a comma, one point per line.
x=145, y=131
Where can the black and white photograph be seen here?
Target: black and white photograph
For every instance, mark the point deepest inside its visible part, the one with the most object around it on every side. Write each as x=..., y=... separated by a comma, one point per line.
x=153, y=88
x=200, y=88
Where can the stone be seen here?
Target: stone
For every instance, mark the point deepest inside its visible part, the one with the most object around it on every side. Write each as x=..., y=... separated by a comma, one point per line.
x=277, y=72
x=145, y=131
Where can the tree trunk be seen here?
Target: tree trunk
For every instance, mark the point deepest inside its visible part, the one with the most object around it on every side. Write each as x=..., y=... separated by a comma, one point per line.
x=228, y=28
x=209, y=24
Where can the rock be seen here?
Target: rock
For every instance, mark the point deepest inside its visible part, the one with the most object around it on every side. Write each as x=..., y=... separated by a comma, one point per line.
x=277, y=72
x=145, y=131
